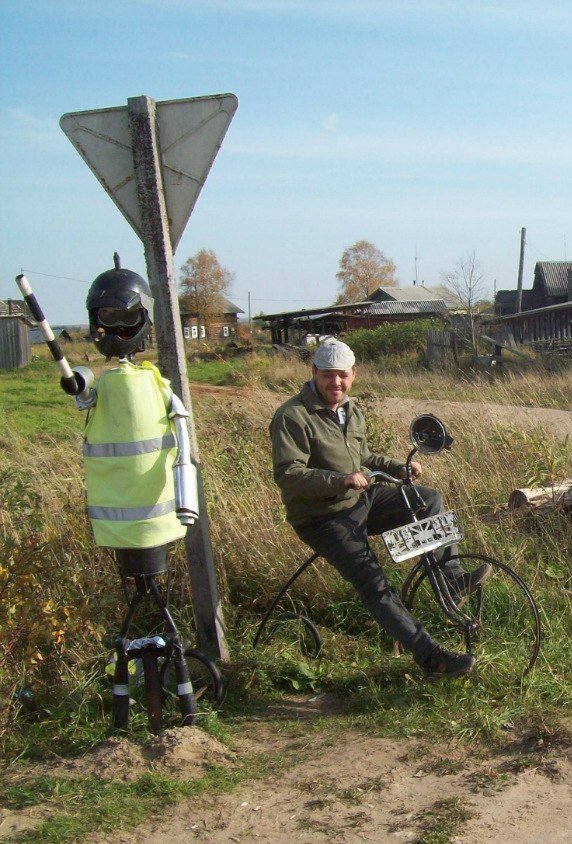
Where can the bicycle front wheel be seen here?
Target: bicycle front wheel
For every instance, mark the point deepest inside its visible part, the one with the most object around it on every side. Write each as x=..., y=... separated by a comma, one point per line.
x=505, y=631
x=204, y=676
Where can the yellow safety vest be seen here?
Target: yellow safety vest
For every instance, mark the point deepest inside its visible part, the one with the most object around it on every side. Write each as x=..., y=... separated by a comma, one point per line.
x=129, y=450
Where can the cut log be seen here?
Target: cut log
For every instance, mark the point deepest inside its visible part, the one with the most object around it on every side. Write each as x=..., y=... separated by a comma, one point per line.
x=558, y=494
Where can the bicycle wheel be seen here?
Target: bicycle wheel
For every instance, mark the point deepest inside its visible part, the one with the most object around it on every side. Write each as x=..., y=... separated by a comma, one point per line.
x=504, y=632
x=293, y=629
x=204, y=675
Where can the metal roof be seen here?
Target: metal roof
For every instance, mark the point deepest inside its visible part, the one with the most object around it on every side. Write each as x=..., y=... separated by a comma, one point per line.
x=36, y=336
x=431, y=306
x=330, y=309
x=416, y=293
x=552, y=277
x=228, y=307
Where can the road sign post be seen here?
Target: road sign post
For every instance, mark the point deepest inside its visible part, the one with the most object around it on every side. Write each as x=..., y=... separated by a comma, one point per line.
x=144, y=155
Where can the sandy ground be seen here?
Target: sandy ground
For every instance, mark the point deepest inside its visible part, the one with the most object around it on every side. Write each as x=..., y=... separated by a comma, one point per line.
x=403, y=410
x=340, y=788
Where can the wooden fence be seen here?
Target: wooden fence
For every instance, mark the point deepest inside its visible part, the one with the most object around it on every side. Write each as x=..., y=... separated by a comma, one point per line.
x=441, y=347
x=546, y=328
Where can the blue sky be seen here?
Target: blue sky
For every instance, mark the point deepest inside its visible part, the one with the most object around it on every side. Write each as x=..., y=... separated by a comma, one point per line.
x=431, y=128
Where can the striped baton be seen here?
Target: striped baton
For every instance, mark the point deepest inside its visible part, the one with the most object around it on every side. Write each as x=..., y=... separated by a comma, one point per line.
x=72, y=383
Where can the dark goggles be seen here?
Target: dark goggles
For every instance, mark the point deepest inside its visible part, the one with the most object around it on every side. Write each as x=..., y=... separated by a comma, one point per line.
x=127, y=317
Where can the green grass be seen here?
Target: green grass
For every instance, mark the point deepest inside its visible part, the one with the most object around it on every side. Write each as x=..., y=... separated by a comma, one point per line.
x=32, y=403
x=217, y=372
x=444, y=821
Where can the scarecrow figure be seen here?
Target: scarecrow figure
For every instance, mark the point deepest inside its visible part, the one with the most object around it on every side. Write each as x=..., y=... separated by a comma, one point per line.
x=141, y=484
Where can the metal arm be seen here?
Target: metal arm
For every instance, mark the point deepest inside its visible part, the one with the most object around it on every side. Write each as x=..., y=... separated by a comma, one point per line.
x=184, y=471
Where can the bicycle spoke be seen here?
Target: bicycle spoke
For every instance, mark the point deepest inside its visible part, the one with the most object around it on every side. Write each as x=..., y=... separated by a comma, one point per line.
x=506, y=627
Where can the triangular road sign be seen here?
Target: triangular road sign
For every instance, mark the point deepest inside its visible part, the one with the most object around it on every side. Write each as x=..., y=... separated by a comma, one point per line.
x=190, y=134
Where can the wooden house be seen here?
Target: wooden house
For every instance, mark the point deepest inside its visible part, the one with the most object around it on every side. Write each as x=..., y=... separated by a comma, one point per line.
x=552, y=286
x=222, y=327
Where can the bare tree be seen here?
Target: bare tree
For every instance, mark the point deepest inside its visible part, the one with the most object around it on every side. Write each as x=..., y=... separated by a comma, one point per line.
x=203, y=284
x=467, y=281
x=363, y=268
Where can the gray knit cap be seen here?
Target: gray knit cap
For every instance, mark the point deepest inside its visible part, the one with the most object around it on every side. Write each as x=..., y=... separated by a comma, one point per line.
x=333, y=354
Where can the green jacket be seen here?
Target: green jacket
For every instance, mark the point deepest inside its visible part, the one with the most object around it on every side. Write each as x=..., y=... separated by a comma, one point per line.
x=311, y=454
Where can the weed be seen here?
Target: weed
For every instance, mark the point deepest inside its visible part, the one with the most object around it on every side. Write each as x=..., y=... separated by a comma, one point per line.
x=443, y=821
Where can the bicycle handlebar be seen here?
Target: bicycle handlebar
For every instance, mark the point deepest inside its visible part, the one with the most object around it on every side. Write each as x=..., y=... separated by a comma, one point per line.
x=383, y=476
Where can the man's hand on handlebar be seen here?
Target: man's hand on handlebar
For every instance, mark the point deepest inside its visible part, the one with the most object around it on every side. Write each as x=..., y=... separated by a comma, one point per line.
x=357, y=480
x=416, y=470
x=363, y=480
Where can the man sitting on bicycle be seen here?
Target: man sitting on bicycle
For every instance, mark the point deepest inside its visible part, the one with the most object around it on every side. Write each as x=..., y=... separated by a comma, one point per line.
x=321, y=461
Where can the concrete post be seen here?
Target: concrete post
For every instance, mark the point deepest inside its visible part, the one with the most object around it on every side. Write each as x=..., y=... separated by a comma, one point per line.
x=159, y=259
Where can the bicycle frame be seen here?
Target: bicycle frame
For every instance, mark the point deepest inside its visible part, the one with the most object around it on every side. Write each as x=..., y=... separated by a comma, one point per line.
x=428, y=565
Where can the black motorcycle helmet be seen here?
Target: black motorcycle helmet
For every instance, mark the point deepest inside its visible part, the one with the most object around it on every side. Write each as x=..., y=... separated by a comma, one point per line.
x=120, y=308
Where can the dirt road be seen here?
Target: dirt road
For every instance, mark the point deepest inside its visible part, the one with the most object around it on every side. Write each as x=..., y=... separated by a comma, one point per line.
x=339, y=787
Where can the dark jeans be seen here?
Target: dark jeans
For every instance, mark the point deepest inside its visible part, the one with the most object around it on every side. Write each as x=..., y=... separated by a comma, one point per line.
x=342, y=539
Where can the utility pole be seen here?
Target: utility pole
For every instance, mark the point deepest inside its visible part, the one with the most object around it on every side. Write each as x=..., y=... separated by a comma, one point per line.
x=520, y=271
x=249, y=316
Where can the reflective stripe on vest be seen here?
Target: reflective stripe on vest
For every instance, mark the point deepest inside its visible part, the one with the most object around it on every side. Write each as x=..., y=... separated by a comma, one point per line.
x=128, y=449
x=131, y=514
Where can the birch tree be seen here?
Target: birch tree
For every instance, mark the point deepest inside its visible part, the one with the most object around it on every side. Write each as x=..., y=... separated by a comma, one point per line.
x=363, y=268
x=203, y=284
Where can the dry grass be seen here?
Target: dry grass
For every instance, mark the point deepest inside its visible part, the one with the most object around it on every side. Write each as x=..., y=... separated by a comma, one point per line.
x=255, y=549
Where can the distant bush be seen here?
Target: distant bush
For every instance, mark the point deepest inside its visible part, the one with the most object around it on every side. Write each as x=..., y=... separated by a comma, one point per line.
x=391, y=339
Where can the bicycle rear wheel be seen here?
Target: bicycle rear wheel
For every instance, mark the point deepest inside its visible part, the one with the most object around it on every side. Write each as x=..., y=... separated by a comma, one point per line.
x=506, y=632
x=291, y=629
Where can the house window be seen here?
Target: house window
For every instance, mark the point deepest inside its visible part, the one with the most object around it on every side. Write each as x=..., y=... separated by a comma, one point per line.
x=186, y=332
x=225, y=331
x=203, y=332
x=194, y=332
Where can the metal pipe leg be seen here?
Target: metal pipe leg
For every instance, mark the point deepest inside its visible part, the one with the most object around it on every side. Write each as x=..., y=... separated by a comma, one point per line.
x=187, y=702
x=121, y=687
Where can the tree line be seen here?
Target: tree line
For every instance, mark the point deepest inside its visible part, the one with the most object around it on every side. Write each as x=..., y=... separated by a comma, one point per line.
x=204, y=283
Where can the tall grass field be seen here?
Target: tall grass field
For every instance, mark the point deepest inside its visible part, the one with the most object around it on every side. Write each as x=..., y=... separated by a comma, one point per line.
x=62, y=600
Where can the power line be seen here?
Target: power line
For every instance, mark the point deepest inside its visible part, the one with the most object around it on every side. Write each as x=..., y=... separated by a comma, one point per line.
x=62, y=277
x=308, y=302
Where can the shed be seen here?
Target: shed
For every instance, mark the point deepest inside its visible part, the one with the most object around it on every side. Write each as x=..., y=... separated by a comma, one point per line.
x=14, y=342
x=292, y=326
